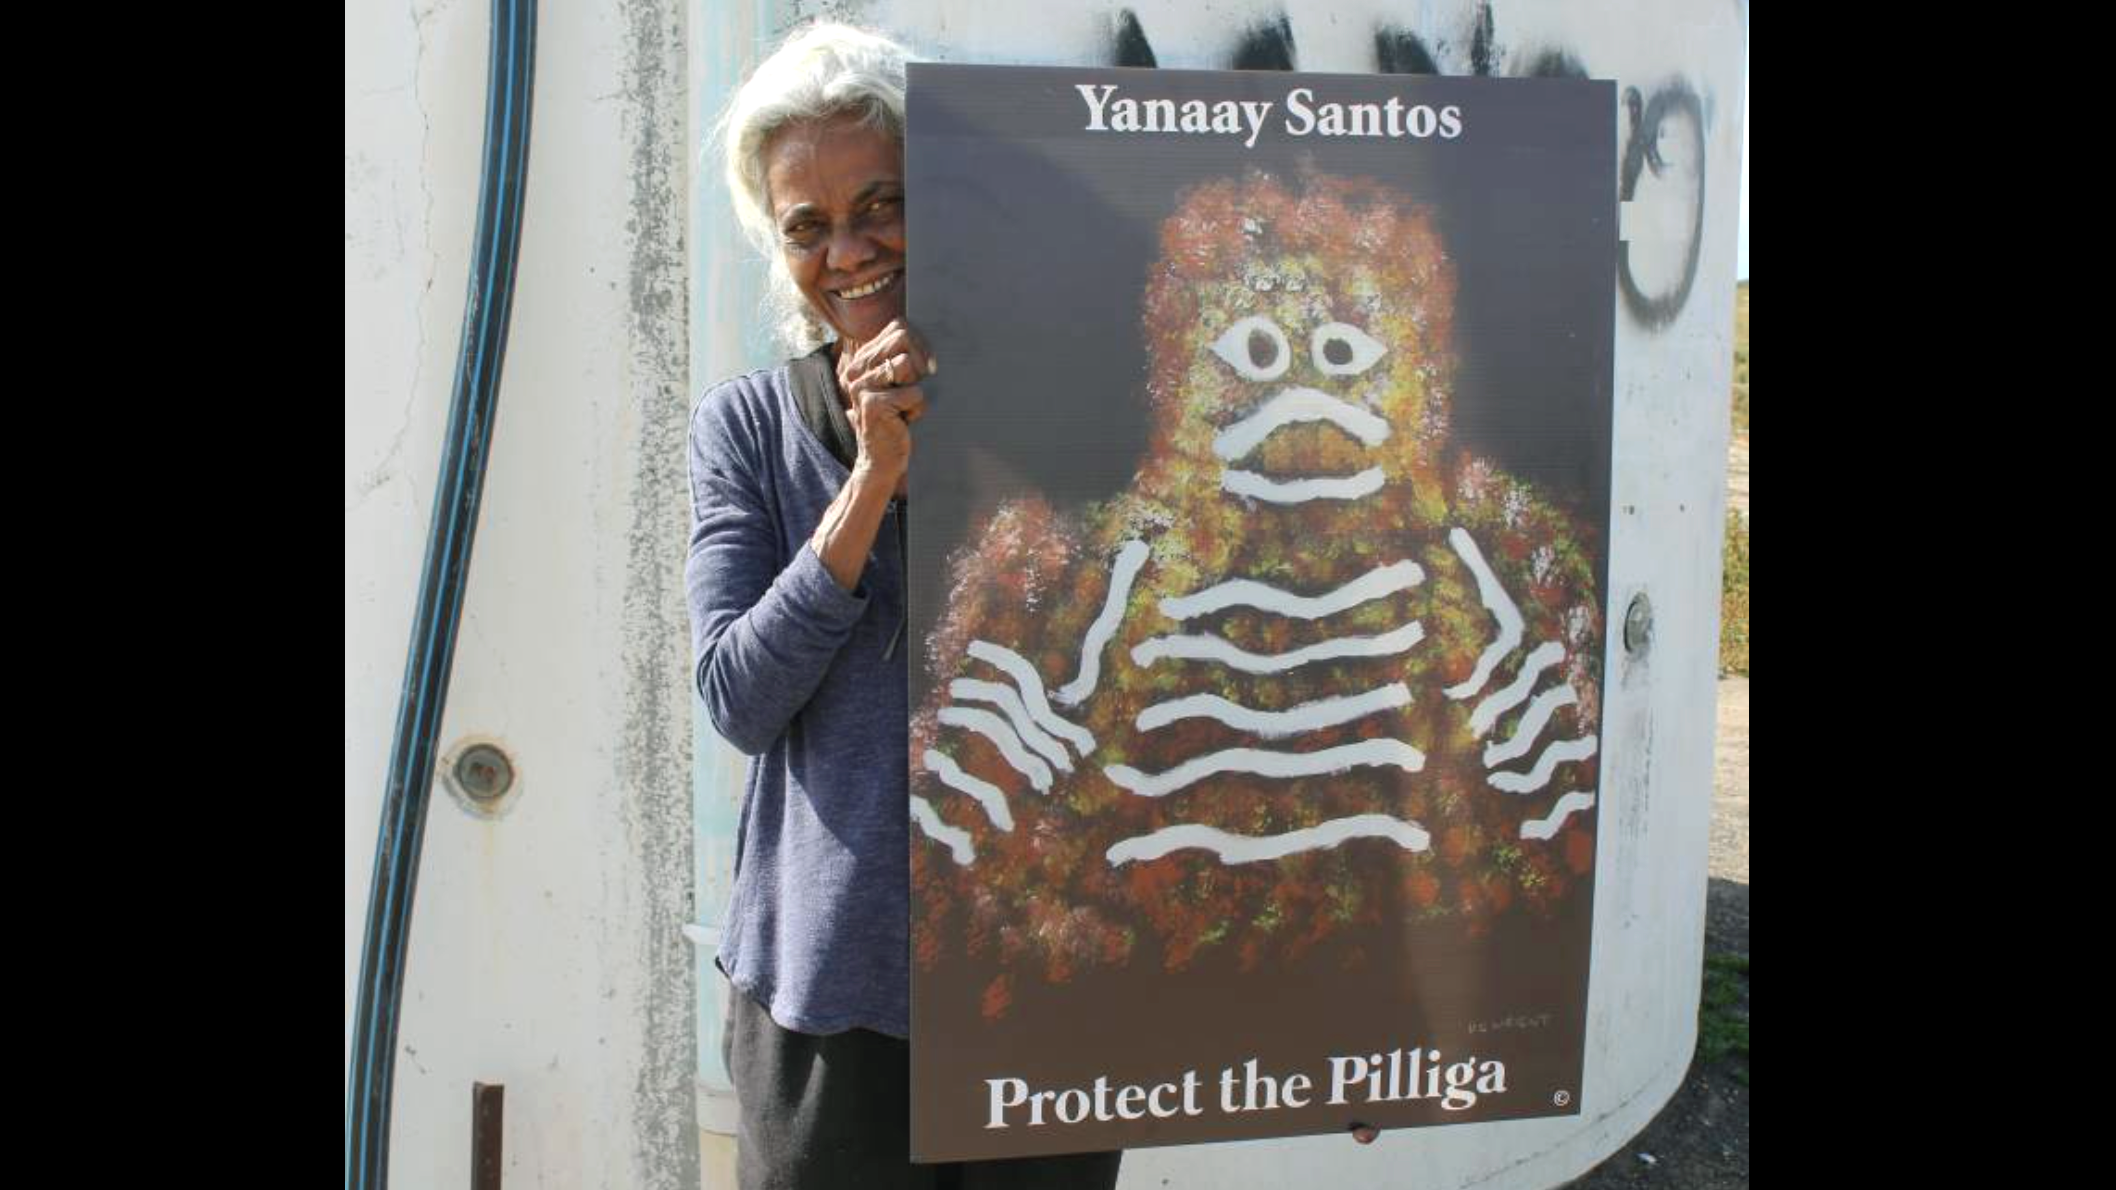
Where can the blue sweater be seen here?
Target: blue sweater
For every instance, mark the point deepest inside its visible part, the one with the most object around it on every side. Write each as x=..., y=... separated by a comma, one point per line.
x=808, y=680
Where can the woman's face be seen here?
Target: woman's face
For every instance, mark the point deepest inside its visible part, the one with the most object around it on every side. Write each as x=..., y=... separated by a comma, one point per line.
x=836, y=193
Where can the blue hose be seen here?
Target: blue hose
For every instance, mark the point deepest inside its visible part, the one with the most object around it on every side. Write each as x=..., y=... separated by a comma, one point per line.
x=510, y=67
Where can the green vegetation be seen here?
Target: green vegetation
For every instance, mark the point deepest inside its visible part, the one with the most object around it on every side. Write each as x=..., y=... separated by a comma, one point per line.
x=1722, y=1013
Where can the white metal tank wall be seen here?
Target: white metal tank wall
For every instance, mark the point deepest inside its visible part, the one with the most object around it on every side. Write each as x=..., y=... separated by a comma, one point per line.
x=546, y=950
x=1674, y=355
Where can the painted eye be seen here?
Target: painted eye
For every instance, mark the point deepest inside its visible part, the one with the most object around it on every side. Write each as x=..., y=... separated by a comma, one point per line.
x=1256, y=348
x=1342, y=349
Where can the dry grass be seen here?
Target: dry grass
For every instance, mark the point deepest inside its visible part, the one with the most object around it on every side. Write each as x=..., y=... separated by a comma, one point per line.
x=1741, y=360
x=1734, y=598
x=1734, y=582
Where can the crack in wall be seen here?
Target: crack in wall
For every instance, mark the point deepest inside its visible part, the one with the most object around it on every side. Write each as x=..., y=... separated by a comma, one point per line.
x=381, y=473
x=433, y=255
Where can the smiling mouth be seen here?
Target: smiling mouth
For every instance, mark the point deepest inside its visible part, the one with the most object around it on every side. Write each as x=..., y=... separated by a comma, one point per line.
x=870, y=289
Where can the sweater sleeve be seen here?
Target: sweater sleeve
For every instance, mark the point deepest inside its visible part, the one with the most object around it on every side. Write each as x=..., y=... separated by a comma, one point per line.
x=761, y=637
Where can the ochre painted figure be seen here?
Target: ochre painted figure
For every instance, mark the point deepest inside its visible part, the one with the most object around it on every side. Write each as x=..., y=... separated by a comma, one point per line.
x=1315, y=669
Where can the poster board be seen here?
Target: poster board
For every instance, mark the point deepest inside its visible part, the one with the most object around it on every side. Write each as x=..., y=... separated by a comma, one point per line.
x=1259, y=587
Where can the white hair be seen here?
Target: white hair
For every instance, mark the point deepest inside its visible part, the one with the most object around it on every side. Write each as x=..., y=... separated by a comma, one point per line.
x=822, y=72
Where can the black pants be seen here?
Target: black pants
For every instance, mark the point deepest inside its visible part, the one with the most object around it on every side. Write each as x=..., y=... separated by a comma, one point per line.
x=820, y=1113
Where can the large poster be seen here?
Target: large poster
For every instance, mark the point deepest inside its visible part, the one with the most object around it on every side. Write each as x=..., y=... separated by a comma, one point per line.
x=1259, y=574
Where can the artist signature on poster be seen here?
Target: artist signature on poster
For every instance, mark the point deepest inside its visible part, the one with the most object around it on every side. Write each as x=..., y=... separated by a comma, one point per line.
x=1537, y=1020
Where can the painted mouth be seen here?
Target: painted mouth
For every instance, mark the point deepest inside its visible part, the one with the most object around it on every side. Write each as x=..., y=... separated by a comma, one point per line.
x=870, y=289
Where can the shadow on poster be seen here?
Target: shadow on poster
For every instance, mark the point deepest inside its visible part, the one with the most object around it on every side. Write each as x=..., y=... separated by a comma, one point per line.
x=1259, y=583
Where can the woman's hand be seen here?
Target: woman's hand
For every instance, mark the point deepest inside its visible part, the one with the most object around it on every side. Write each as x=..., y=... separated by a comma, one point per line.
x=880, y=381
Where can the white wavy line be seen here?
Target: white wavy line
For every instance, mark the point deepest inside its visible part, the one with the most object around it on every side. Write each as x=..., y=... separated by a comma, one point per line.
x=1297, y=405
x=1539, y=776
x=1213, y=648
x=957, y=839
x=1039, y=708
x=1308, y=716
x=995, y=729
x=1495, y=599
x=1242, y=592
x=1487, y=713
x=988, y=795
x=1004, y=697
x=1265, y=763
x=1300, y=491
x=1233, y=848
x=1546, y=828
x=1129, y=560
x=1531, y=726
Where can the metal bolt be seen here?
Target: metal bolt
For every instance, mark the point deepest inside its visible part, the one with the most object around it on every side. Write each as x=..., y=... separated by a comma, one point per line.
x=484, y=773
x=1638, y=625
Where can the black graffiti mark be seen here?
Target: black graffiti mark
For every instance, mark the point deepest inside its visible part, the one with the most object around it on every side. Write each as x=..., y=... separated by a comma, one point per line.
x=1480, y=42
x=1642, y=156
x=1555, y=64
x=1398, y=51
x=1635, y=109
x=1266, y=47
x=1131, y=48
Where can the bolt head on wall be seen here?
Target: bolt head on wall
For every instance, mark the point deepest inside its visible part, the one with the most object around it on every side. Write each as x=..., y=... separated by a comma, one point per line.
x=1638, y=625
x=481, y=776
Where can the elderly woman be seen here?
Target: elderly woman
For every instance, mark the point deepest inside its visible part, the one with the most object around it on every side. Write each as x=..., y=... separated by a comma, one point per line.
x=796, y=584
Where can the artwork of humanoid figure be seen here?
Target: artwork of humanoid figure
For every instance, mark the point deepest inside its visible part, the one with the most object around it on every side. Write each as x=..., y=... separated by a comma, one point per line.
x=1318, y=669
